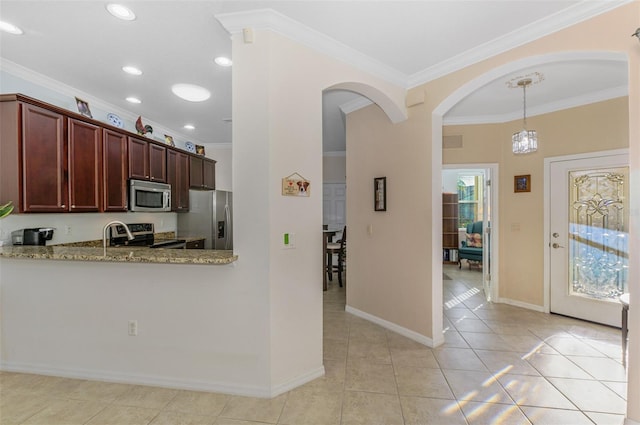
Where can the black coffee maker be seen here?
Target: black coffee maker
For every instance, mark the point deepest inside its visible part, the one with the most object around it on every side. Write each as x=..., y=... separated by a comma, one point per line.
x=35, y=236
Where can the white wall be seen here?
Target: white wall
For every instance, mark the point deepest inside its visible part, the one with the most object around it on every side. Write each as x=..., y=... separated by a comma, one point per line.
x=334, y=168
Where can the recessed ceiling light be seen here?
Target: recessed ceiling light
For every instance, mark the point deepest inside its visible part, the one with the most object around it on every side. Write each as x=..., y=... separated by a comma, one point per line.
x=121, y=12
x=191, y=92
x=10, y=28
x=189, y=127
x=133, y=100
x=132, y=70
x=223, y=61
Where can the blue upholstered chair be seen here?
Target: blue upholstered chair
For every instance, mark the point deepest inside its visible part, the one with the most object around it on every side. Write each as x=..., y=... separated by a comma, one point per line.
x=471, y=248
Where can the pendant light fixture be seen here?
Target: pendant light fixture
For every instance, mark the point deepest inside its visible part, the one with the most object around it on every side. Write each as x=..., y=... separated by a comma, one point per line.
x=524, y=141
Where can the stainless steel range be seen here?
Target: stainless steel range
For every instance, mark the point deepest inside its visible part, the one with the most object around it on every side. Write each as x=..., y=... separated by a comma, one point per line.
x=143, y=235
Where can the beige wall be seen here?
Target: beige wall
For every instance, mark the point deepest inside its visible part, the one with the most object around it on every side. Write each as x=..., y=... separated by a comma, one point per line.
x=410, y=154
x=595, y=127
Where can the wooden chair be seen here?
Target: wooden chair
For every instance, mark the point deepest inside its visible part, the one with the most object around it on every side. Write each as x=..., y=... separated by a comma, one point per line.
x=339, y=247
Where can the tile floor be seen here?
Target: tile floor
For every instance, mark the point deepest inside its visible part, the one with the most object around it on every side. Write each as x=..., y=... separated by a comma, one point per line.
x=499, y=365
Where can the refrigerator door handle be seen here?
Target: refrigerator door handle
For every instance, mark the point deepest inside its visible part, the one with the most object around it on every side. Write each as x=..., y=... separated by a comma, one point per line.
x=227, y=220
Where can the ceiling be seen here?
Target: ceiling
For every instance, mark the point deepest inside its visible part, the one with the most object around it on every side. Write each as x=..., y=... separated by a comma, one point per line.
x=406, y=42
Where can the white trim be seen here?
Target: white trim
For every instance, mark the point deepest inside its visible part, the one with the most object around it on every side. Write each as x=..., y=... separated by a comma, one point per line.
x=297, y=381
x=157, y=381
x=436, y=226
x=521, y=304
x=66, y=90
x=547, y=212
x=270, y=19
x=495, y=212
x=570, y=16
x=415, y=336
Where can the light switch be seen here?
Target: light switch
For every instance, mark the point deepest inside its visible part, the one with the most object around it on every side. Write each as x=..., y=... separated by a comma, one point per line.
x=288, y=240
x=370, y=229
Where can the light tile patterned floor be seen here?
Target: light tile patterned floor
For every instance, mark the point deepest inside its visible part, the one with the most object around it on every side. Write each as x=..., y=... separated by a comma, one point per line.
x=499, y=365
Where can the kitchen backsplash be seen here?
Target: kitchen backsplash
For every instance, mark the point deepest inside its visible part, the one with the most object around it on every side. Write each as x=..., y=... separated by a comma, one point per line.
x=71, y=227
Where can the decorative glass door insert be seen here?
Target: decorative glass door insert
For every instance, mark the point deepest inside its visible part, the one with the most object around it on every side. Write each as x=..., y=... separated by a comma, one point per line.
x=598, y=233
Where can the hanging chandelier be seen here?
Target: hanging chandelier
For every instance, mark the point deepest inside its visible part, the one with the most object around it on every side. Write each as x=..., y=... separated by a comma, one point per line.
x=524, y=141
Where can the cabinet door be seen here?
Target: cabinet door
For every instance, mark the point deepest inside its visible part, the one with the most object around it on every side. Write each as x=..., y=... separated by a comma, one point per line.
x=44, y=160
x=138, y=159
x=178, y=178
x=209, y=174
x=114, y=171
x=85, y=166
x=196, y=178
x=157, y=163
x=183, y=182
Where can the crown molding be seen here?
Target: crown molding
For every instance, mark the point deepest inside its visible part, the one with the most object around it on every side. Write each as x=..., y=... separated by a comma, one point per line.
x=65, y=90
x=269, y=19
x=277, y=22
x=533, y=31
x=547, y=108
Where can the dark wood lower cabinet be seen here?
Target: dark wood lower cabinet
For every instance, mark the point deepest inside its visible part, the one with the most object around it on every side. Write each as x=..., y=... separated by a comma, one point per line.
x=195, y=244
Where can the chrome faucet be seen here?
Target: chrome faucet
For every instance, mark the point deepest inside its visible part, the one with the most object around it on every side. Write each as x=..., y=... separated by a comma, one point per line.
x=109, y=224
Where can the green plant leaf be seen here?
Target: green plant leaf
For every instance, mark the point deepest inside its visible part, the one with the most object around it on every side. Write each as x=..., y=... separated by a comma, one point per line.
x=6, y=209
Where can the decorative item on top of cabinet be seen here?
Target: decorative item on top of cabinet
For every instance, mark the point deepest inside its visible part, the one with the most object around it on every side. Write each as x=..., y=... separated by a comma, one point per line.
x=178, y=178
x=202, y=173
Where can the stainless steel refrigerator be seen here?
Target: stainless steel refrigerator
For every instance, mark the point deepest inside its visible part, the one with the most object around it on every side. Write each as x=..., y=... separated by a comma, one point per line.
x=209, y=216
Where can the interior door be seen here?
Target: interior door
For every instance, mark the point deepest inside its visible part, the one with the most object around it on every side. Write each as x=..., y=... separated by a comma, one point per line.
x=334, y=205
x=588, y=252
x=487, y=237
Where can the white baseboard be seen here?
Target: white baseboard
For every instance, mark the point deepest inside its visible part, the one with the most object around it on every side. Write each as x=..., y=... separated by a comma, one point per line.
x=393, y=327
x=517, y=303
x=193, y=385
x=296, y=382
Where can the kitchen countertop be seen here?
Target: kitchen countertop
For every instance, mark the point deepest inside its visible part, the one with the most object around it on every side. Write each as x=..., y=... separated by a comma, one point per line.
x=119, y=254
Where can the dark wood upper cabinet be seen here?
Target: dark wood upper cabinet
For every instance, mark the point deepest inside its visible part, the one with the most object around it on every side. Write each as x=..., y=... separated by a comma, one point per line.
x=85, y=166
x=114, y=170
x=44, y=160
x=157, y=163
x=55, y=160
x=147, y=161
x=178, y=178
x=202, y=173
x=138, y=159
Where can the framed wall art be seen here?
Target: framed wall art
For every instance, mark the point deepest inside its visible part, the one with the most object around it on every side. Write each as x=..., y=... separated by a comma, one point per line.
x=83, y=107
x=522, y=183
x=380, y=194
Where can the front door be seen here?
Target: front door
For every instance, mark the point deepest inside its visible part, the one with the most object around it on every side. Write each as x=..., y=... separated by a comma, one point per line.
x=588, y=244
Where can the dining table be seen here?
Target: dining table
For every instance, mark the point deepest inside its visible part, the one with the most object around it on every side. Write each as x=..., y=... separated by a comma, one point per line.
x=327, y=237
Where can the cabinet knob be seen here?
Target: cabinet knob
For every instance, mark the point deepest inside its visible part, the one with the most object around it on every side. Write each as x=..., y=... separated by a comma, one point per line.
x=63, y=206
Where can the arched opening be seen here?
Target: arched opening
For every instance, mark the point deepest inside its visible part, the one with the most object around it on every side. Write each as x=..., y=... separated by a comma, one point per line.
x=440, y=117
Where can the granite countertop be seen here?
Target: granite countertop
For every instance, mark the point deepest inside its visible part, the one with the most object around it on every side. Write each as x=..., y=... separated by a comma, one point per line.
x=119, y=254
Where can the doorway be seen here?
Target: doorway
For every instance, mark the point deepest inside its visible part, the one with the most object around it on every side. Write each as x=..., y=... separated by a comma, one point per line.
x=588, y=235
x=476, y=189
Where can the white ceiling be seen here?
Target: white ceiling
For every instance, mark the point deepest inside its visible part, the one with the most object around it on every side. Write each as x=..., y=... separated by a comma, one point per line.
x=406, y=42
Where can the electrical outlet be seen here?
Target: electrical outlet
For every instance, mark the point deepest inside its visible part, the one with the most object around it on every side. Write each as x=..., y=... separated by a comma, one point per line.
x=133, y=328
x=67, y=229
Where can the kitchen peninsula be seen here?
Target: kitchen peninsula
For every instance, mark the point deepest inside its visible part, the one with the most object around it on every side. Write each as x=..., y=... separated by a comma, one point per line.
x=120, y=254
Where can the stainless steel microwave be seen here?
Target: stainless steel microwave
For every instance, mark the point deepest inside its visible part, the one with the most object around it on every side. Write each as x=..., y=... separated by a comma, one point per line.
x=149, y=196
